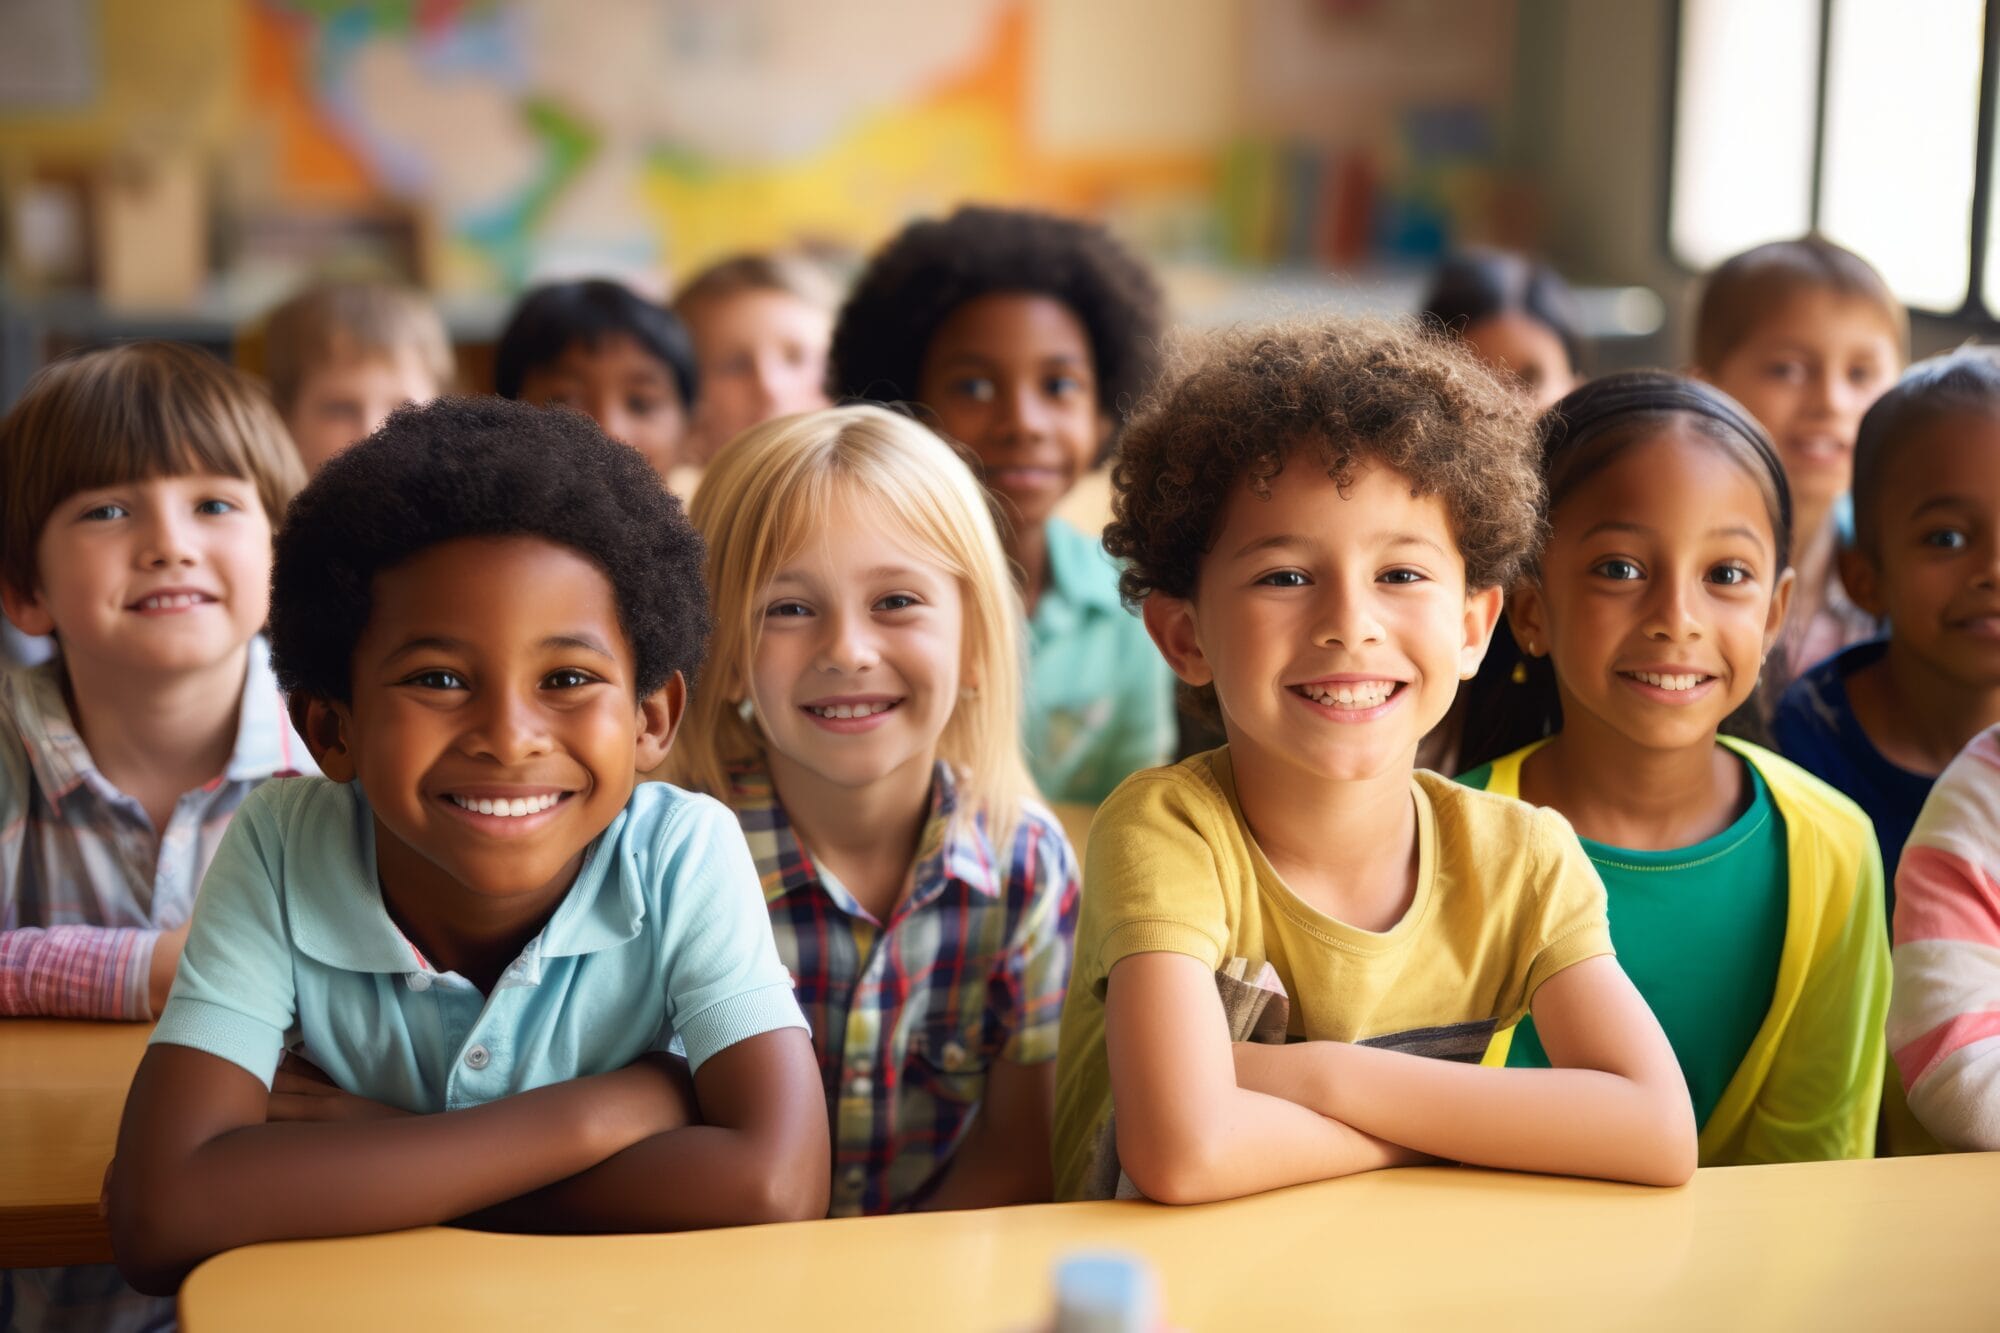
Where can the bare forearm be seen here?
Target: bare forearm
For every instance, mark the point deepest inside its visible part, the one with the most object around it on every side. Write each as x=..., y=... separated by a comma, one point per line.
x=1582, y=1122
x=1246, y=1143
x=699, y=1176
x=992, y=1169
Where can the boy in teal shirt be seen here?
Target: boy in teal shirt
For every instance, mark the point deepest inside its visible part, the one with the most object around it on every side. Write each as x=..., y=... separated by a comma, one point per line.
x=485, y=616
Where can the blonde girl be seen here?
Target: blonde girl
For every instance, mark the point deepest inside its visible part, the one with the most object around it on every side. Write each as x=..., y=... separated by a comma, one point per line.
x=860, y=712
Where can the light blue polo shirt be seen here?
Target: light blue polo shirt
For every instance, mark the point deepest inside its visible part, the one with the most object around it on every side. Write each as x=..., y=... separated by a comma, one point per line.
x=1100, y=698
x=663, y=938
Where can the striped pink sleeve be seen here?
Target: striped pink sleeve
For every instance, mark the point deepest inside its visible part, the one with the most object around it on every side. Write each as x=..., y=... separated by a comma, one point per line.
x=1944, y=1010
x=76, y=972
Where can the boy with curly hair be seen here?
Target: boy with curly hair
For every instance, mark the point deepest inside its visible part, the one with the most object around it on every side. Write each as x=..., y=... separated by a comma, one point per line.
x=1320, y=520
x=486, y=947
x=1025, y=337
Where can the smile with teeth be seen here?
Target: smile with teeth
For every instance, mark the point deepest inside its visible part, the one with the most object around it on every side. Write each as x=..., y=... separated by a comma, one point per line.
x=507, y=809
x=851, y=710
x=1675, y=681
x=177, y=601
x=1359, y=694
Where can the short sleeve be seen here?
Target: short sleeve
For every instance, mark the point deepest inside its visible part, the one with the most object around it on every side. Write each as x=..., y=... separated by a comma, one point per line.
x=1036, y=971
x=234, y=995
x=1152, y=881
x=1573, y=923
x=725, y=982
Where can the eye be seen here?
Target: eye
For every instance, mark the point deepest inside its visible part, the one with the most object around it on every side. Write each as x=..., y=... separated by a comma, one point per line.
x=897, y=601
x=1790, y=372
x=1403, y=576
x=1947, y=539
x=104, y=513
x=1863, y=376
x=786, y=608
x=1062, y=386
x=1284, y=578
x=978, y=388
x=1730, y=575
x=1617, y=568
x=437, y=678
x=215, y=505
x=568, y=678
x=644, y=405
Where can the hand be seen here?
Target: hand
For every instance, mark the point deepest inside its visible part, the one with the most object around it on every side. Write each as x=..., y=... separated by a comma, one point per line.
x=301, y=1091
x=166, y=961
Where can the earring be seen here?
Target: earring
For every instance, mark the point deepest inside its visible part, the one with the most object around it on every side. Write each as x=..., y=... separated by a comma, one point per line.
x=747, y=710
x=1520, y=676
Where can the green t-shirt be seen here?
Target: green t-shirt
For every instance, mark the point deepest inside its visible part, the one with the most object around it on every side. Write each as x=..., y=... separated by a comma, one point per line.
x=1699, y=930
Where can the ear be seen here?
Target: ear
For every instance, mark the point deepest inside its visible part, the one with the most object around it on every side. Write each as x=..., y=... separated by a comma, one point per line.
x=326, y=728
x=1171, y=622
x=1482, y=613
x=1528, y=618
x=1781, y=603
x=1858, y=575
x=659, y=718
x=26, y=611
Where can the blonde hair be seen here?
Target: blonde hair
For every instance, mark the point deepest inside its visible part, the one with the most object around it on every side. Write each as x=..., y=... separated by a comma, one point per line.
x=778, y=271
x=346, y=319
x=759, y=505
x=118, y=414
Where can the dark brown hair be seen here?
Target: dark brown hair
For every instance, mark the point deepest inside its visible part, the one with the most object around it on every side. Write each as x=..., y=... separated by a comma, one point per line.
x=126, y=413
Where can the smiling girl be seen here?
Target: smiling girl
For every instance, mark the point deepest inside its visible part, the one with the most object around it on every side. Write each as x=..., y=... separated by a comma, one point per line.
x=1745, y=895
x=859, y=712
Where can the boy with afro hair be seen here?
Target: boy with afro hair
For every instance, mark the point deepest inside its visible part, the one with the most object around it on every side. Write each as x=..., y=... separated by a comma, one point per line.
x=1024, y=338
x=479, y=968
x=1293, y=949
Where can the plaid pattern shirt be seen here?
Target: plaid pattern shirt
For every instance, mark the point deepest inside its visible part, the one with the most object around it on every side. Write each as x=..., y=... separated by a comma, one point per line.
x=86, y=883
x=909, y=1014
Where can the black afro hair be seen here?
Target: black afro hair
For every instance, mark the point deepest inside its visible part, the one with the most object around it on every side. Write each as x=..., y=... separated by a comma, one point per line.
x=482, y=467
x=936, y=265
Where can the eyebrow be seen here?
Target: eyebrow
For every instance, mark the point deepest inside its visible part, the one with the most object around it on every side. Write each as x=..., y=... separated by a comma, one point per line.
x=1291, y=540
x=1639, y=529
x=440, y=643
x=1944, y=502
x=877, y=573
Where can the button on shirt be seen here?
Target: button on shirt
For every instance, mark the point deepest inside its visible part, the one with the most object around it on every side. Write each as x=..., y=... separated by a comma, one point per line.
x=1100, y=700
x=86, y=882
x=908, y=1015
x=662, y=940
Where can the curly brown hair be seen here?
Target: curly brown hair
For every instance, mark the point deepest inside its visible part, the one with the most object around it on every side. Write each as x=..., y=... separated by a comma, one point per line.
x=1236, y=405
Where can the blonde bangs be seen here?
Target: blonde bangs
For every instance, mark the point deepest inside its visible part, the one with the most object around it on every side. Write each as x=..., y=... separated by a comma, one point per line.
x=766, y=496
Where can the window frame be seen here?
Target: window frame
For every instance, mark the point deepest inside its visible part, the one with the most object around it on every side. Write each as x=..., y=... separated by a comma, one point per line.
x=1973, y=309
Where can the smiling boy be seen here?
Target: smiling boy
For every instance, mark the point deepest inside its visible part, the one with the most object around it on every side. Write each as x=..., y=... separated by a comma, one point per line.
x=1320, y=519
x=486, y=615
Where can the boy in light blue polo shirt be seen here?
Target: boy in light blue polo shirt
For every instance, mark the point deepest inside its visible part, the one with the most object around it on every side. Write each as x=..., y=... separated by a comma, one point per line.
x=469, y=958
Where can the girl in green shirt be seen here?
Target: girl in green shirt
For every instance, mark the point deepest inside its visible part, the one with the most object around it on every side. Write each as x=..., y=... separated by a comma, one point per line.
x=1745, y=895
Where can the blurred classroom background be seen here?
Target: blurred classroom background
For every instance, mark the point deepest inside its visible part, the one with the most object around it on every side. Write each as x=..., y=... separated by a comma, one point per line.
x=174, y=169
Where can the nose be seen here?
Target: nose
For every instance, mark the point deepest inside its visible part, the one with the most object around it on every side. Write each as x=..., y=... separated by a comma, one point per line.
x=507, y=726
x=847, y=646
x=1671, y=612
x=1344, y=614
x=169, y=540
x=1023, y=413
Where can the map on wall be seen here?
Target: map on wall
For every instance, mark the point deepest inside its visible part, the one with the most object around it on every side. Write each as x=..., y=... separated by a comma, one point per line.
x=644, y=137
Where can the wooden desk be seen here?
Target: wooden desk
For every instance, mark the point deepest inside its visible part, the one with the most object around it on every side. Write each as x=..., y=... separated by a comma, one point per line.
x=62, y=1089
x=1908, y=1243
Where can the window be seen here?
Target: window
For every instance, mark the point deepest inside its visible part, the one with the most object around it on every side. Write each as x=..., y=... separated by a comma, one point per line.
x=1861, y=118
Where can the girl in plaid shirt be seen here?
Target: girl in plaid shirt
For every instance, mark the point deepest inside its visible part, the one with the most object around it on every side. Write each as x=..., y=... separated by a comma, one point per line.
x=860, y=713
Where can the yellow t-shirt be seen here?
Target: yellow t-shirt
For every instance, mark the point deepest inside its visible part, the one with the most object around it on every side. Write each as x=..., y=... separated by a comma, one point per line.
x=1505, y=899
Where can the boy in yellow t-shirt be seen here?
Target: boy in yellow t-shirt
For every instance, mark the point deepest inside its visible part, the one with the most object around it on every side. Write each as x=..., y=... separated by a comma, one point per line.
x=1319, y=520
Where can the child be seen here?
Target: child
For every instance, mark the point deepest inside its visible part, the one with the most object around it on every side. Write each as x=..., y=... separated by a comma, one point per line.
x=1944, y=1020
x=1882, y=719
x=1516, y=314
x=481, y=936
x=1805, y=335
x=341, y=357
x=1025, y=337
x=1745, y=895
x=1320, y=519
x=608, y=352
x=760, y=324
x=142, y=484
x=860, y=712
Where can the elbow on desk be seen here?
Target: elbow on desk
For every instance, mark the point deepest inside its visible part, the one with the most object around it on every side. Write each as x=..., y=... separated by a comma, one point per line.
x=1178, y=1172
x=146, y=1251
x=1670, y=1159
